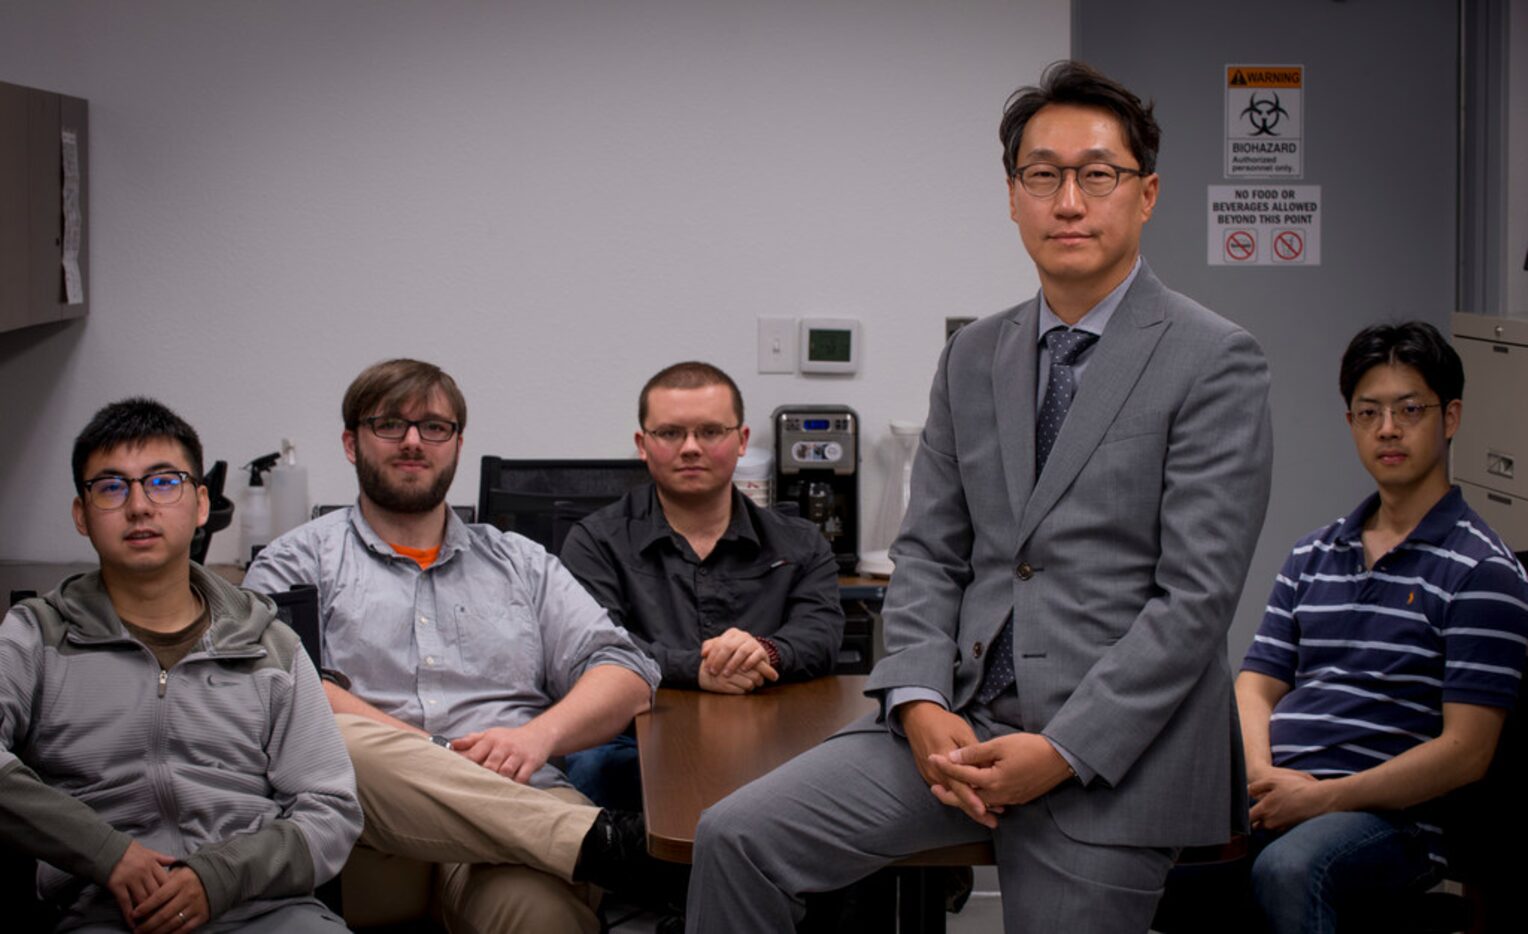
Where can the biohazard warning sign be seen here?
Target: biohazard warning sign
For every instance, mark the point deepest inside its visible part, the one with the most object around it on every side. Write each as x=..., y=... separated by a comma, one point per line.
x=1262, y=224
x=1265, y=119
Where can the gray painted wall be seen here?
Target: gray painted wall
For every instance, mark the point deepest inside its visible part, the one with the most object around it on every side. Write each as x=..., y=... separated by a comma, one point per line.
x=1380, y=137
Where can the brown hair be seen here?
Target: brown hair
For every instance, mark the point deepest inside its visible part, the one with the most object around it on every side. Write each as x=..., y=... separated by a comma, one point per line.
x=385, y=388
x=691, y=374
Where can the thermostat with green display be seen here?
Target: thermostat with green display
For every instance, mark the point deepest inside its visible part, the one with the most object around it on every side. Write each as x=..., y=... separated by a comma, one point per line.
x=830, y=345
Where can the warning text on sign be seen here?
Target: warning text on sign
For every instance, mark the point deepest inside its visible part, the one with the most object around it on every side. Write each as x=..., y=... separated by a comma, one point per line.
x=1264, y=225
x=1265, y=117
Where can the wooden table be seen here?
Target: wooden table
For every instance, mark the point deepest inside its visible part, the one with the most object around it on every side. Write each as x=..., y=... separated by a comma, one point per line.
x=697, y=747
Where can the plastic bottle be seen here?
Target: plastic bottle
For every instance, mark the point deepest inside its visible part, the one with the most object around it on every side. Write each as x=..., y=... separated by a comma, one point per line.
x=289, y=491
x=753, y=474
x=894, y=496
x=255, y=511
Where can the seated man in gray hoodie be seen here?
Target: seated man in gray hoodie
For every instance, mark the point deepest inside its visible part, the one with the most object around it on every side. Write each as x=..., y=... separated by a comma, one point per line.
x=166, y=751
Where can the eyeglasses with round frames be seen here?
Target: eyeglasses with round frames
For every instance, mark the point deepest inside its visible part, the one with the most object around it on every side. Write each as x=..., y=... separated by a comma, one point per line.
x=162, y=487
x=1094, y=179
x=1367, y=415
x=673, y=436
x=393, y=428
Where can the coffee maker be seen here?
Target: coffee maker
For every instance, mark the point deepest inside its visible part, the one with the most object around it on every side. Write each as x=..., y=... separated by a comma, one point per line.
x=817, y=469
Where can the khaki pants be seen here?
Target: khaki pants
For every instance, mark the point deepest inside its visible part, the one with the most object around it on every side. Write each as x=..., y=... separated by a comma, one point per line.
x=504, y=852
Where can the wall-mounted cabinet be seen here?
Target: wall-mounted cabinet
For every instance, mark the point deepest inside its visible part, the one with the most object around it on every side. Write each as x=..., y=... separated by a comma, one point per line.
x=44, y=221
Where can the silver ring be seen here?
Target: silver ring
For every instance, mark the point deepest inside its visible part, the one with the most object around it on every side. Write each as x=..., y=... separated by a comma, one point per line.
x=180, y=916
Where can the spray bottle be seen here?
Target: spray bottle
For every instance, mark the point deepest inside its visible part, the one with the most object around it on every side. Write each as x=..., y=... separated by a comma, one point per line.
x=289, y=491
x=255, y=511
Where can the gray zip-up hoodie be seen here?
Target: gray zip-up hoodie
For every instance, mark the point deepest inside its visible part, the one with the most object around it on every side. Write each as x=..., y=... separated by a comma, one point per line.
x=230, y=761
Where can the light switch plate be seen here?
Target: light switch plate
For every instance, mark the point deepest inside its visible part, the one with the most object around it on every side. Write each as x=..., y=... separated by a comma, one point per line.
x=777, y=345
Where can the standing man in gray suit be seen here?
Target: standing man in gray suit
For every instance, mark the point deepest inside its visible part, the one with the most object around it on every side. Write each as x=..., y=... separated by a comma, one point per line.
x=1085, y=500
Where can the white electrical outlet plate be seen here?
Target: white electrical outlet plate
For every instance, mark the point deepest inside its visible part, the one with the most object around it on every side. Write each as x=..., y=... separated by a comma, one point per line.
x=777, y=345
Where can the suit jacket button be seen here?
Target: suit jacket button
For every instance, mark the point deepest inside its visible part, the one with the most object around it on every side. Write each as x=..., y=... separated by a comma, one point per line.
x=1024, y=571
x=976, y=650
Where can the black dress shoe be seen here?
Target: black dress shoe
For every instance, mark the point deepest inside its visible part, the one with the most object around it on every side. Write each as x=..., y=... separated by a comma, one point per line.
x=614, y=857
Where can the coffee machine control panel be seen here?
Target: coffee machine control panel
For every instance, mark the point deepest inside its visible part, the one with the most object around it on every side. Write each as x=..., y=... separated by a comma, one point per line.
x=824, y=440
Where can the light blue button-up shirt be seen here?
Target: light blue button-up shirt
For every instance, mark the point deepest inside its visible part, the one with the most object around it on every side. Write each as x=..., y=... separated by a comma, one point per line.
x=491, y=634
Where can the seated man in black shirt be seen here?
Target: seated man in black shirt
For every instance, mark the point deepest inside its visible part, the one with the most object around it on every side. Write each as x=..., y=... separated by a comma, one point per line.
x=725, y=595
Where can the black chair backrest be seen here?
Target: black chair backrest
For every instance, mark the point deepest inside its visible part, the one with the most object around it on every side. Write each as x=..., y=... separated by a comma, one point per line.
x=220, y=516
x=543, y=498
x=298, y=608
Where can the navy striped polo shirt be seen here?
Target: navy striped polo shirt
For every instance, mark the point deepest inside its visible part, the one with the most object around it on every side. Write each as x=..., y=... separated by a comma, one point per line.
x=1373, y=654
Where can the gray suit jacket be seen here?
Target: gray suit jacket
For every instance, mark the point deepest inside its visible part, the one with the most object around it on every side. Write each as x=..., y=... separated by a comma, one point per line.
x=1121, y=565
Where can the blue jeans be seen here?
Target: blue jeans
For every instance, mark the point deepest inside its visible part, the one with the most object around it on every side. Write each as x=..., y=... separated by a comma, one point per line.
x=1335, y=870
x=608, y=775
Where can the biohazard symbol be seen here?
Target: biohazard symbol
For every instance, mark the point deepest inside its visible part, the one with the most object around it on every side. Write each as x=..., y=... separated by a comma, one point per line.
x=1264, y=115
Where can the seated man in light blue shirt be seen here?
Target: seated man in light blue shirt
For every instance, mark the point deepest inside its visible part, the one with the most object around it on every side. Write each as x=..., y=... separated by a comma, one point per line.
x=461, y=662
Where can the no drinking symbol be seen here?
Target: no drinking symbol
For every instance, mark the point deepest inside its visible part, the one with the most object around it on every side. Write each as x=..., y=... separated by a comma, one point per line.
x=1288, y=245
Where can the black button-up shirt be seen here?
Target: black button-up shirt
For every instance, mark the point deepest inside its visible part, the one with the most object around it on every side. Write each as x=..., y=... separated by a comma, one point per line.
x=769, y=575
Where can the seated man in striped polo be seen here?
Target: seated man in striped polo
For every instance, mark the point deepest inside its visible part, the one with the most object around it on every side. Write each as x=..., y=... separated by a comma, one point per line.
x=1390, y=652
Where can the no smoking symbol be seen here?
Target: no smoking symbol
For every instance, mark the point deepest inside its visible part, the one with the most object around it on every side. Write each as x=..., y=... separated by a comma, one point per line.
x=1288, y=246
x=1240, y=245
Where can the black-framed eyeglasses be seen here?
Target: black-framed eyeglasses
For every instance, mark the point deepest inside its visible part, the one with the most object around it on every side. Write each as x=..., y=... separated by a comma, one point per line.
x=162, y=487
x=673, y=436
x=393, y=428
x=1095, y=179
x=1369, y=414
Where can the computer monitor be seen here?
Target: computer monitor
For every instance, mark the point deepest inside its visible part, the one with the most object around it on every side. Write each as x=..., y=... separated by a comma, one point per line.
x=542, y=498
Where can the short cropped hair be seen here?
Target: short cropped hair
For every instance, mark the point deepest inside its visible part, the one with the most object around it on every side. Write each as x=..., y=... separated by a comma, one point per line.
x=388, y=387
x=691, y=374
x=1416, y=344
x=1069, y=82
x=132, y=422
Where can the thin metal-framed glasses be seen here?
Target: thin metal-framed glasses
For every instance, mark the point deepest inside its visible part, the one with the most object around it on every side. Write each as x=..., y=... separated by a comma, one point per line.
x=1367, y=415
x=393, y=428
x=1095, y=179
x=672, y=436
x=162, y=487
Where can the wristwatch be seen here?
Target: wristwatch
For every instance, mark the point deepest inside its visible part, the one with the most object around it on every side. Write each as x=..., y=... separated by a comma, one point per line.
x=440, y=741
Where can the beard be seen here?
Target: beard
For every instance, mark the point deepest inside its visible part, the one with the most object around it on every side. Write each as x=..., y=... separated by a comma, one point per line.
x=398, y=498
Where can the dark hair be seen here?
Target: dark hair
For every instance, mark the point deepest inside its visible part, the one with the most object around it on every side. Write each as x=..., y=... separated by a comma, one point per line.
x=386, y=388
x=1416, y=344
x=134, y=421
x=691, y=374
x=1069, y=82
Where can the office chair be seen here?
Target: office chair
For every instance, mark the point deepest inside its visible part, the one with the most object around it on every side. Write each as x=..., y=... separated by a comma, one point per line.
x=542, y=499
x=299, y=609
x=221, y=515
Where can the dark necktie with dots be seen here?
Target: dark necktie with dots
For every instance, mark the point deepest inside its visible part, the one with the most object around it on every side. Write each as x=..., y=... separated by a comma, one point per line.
x=1065, y=347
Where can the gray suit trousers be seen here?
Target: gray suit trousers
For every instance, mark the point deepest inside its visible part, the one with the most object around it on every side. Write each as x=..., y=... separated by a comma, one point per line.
x=856, y=803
